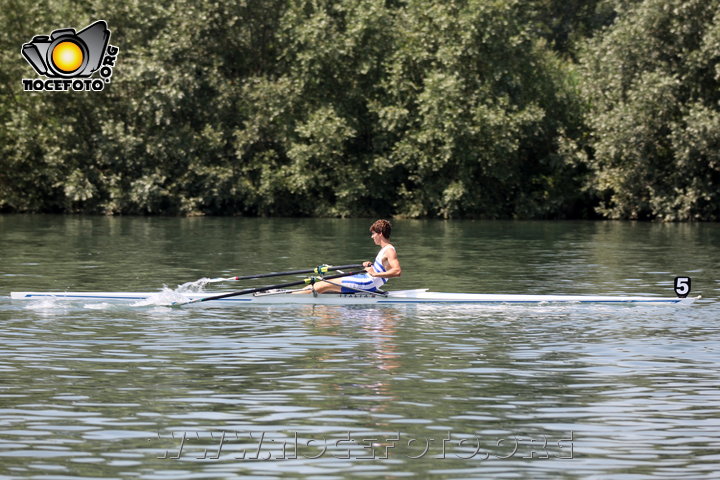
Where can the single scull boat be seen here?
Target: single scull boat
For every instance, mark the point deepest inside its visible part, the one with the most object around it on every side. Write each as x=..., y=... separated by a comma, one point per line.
x=421, y=296
x=278, y=294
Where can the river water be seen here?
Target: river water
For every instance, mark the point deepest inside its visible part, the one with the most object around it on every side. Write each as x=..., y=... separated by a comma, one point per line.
x=95, y=390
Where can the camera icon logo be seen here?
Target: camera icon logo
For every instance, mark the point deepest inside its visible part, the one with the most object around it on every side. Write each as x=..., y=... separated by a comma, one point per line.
x=66, y=53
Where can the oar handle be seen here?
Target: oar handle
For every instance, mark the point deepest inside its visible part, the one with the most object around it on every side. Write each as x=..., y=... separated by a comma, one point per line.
x=248, y=291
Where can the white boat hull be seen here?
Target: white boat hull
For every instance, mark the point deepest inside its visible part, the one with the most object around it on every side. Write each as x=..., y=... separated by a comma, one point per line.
x=392, y=298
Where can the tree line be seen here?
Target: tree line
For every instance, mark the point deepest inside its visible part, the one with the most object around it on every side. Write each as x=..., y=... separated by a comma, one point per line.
x=412, y=108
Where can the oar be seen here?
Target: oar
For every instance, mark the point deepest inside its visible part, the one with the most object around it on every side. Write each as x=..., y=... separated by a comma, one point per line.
x=248, y=291
x=320, y=269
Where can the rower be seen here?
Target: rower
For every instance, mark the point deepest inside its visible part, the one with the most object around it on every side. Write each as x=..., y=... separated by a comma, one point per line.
x=377, y=273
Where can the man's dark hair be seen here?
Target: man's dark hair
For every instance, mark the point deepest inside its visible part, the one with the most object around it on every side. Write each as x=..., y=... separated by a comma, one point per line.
x=382, y=226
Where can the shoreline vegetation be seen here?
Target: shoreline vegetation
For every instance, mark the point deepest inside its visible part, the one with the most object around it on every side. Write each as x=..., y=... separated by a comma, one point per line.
x=487, y=109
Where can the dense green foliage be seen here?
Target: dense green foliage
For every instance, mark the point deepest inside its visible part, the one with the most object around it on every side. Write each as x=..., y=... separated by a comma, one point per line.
x=419, y=108
x=652, y=83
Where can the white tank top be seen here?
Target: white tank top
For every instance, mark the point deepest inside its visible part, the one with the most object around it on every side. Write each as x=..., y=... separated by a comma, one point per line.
x=379, y=267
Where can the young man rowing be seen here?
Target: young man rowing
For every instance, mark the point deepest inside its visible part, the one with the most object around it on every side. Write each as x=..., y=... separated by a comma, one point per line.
x=386, y=265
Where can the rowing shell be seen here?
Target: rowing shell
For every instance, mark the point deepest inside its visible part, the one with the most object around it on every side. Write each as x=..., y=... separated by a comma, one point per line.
x=396, y=297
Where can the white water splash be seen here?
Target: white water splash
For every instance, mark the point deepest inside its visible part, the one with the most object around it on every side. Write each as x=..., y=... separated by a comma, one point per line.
x=46, y=303
x=49, y=307
x=164, y=298
x=198, y=285
x=168, y=296
x=98, y=306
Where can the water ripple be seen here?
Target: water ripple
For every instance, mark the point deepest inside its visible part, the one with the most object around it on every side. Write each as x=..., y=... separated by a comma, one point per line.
x=99, y=390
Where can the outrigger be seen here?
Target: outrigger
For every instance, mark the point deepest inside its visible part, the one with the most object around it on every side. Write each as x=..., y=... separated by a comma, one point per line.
x=279, y=294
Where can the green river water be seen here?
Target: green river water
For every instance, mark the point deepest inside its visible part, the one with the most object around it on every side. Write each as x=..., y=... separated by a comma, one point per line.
x=94, y=390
